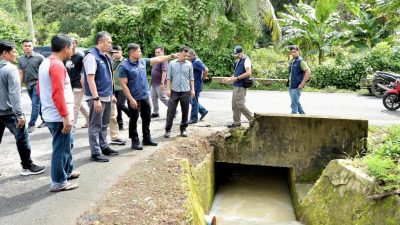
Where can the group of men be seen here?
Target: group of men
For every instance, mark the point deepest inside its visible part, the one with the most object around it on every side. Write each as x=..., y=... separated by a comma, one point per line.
x=106, y=81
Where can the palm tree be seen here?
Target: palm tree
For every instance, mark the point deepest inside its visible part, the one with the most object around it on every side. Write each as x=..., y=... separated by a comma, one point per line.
x=260, y=12
x=28, y=4
x=313, y=29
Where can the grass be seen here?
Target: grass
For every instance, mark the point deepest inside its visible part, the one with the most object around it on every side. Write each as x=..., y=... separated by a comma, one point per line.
x=280, y=87
x=383, y=157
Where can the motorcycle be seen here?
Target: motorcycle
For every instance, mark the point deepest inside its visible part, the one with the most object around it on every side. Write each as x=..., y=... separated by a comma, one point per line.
x=382, y=82
x=391, y=99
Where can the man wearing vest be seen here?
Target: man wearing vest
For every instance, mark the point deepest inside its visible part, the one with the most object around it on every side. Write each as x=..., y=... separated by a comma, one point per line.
x=299, y=73
x=98, y=94
x=242, y=68
x=134, y=83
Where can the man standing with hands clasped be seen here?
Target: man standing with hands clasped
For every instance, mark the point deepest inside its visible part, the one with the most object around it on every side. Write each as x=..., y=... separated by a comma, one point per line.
x=57, y=100
x=299, y=73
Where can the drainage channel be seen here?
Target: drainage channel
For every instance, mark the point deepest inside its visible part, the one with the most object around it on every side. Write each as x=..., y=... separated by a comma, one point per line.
x=253, y=195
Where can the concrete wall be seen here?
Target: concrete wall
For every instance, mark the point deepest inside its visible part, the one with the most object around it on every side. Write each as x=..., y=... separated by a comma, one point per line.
x=305, y=143
x=340, y=197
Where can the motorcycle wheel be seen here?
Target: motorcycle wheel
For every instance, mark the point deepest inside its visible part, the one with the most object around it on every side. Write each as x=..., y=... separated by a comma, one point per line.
x=391, y=102
x=376, y=90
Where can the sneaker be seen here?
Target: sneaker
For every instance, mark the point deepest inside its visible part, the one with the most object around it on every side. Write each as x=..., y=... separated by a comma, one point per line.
x=118, y=141
x=67, y=187
x=233, y=125
x=75, y=174
x=184, y=133
x=191, y=122
x=155, y=115
x=43, y=124
x=86, y=125
x=33, y=170
x=31, y=129
x=109, y=151
x=203, y=115
x=167, y=134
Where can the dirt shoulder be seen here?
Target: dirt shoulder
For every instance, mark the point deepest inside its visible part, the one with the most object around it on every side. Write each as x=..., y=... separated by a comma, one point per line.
x=151, y=192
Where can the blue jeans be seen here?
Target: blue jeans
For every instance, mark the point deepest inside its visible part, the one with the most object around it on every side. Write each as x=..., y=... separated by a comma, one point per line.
x=21, y=136
x=196, y=107
x=32, y=92
x=61, y=159
x=295, y=98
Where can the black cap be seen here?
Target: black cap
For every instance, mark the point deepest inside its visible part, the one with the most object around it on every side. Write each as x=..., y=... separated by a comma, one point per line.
x=238, y=49
x=116, y=48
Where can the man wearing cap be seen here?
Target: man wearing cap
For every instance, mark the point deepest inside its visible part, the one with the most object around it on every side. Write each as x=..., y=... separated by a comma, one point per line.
x=299, y=73
x=242, y=69
x=114, y=130
x=118, y=59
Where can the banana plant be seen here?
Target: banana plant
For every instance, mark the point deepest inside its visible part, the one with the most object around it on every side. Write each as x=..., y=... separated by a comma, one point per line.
x=313, y=29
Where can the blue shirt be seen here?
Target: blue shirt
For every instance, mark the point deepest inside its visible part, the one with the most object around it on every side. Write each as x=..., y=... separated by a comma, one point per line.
x=137, y=78
x=198, y=68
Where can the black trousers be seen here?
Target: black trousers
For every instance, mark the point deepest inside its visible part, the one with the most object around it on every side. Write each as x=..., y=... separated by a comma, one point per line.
x=184, y=99
x=121, y=106
x=144, y=108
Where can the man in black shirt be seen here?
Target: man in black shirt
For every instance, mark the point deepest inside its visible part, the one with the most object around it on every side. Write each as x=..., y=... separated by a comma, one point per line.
x=74, y=68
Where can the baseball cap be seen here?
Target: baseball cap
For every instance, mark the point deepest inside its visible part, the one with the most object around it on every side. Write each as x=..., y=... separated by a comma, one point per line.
x=238, y=49
x=116, y=48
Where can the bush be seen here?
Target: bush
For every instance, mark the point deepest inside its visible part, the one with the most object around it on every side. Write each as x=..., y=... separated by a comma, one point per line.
x=346, y=72
x=201, y=25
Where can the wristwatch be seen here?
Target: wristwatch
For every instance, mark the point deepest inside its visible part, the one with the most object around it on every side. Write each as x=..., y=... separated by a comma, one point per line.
x=96, y=98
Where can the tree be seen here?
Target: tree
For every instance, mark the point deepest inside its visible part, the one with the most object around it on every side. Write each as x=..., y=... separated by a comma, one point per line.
x=31, y=28
x=313, y=29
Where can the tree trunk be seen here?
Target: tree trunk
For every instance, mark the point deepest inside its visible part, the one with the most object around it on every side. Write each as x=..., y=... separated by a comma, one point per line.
x=28, y=4
x=320, y=56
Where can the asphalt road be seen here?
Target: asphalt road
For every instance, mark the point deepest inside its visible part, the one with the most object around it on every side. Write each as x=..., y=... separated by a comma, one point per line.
x=27, y=200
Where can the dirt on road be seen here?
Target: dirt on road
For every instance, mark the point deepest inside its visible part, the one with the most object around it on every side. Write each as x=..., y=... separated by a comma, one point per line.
x=151, y=191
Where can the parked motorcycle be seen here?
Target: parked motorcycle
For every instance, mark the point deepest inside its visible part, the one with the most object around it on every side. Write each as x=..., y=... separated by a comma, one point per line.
x=391, y=99
x=382, y=82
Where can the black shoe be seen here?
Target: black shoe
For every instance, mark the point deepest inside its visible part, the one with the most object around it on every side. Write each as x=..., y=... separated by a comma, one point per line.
x=109, y=151
x=150, y=142
x=203, y=115
x=136, y=145
x=233, y=125
x=99, y=158
x=155, y=115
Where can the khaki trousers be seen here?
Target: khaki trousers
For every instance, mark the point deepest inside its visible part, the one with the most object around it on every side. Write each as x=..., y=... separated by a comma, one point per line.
x=78, y=106
x=238, y=105
x=114, y=130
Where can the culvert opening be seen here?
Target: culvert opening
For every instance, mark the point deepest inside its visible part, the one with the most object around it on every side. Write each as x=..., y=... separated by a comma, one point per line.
x=256, y=195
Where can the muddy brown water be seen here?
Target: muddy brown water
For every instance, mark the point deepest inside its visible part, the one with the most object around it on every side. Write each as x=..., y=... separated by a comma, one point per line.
x=256, y=196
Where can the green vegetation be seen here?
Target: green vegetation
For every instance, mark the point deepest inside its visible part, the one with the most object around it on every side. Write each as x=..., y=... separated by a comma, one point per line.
x=383, y=157
x=342, y=41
